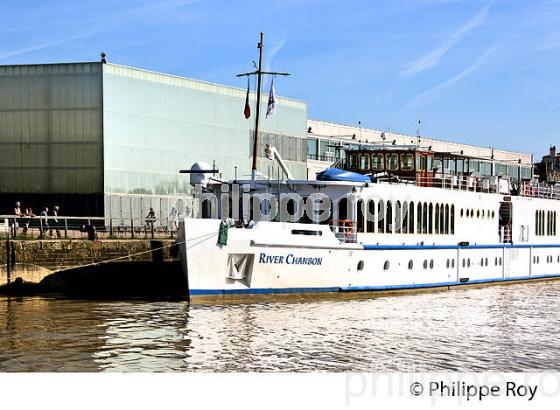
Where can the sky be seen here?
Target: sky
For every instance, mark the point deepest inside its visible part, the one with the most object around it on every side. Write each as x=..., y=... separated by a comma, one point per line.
x=473, y=71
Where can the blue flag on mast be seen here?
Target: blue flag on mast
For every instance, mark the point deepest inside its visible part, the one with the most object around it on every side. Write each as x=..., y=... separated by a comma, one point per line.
x=271, y=100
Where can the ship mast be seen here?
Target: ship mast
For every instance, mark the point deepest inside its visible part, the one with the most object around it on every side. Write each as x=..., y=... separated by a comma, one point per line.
x=259, y=73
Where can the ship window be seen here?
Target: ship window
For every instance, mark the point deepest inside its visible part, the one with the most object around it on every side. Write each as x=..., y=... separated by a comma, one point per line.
x=425, y=264
x=380, y=217
x=364, y=162
x=419, y=218
x=398, y=217
x=481, y=261
x=431, y=263
x=452, y=263
x=437, y=219
x=468, y=262
x=407, y=162
x=360, y=265
x=420, y=162
x=370, y=217
x=386, y=265
x=483, y=213
x=425, y=218
x=360, y=216
x=411, y=218
x=404, y=218
x=486, y=261
x=447, y=219
x=352, y=159
x=389, y=218
x=392, y=162
x=461, y=213
x=377, y=162
x=493, y=214
x=496, y=261
x=306, y=232
x=430, y=166
x=478, y=213
x=447, y=264
x=410, y=264
x=500, y=261
x=464, y=262
x=431, y=219
x=441, y=218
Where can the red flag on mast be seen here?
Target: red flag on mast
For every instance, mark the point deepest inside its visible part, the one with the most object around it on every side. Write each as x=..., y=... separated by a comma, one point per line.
x=247, y=110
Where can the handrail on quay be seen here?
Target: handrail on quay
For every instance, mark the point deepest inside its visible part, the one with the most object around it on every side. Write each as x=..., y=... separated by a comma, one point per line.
x=86, y=227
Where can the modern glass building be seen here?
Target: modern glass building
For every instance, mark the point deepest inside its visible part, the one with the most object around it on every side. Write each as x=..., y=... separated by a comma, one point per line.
x=104, y=139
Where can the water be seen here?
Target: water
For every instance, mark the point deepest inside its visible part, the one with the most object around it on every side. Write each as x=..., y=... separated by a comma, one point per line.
x=501, y=328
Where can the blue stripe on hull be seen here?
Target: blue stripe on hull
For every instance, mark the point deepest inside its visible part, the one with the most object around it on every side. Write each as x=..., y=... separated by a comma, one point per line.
x=267, y=291
x=428, y=247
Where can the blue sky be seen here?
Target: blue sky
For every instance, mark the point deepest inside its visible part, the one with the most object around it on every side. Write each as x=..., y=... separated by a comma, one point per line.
x=480, y=72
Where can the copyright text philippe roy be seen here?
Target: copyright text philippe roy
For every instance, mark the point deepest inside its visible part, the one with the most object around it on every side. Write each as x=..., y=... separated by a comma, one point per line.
x=465, y=387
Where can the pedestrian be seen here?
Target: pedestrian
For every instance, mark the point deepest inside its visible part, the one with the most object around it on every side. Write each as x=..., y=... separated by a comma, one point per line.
x=55, y=223
x=150, y=219
x=44, y=220
x=17, y=217
x=173, y=221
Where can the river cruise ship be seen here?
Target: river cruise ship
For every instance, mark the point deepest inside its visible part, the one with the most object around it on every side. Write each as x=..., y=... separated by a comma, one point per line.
x=386, y=219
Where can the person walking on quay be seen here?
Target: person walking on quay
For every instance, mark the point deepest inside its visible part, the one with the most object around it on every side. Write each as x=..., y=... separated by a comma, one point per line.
x=44, y=221
x=172, y=221
x=17, y=217
x=55, y=223
x=150, y=219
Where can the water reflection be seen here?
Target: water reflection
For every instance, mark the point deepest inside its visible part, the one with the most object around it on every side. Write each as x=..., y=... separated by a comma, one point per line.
x=502, y=328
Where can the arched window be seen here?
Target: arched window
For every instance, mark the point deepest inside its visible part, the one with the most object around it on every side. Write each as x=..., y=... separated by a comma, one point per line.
x=398, y=217
x=360, y=216
x=404, y=218
x=419, y=218
x=452, y=221
x=436, y=227
x=411, y=218
x=441, y=219
x=431, y=218
x=446, y=229
x=425, y=218
x=389, y=218
x=537, y=223
x=370, y=216
x=380, y=216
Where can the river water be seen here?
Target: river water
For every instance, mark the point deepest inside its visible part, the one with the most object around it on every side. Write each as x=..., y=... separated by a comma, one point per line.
x=501, y=328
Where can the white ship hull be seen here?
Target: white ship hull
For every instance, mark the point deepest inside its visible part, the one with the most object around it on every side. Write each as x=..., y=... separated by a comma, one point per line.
x=269, y=262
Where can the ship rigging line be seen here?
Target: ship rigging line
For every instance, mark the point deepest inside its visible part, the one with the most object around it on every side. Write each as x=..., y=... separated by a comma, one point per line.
x=205, y=236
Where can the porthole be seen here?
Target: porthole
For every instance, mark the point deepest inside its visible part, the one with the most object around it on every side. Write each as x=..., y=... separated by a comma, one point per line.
x=386, y=265
x=425, y=264
x=447, y=264
x=360, y=265
x=431, y=264
x=410, y=264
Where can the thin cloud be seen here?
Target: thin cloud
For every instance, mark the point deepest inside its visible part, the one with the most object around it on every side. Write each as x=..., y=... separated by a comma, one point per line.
x=534, y=101
x=432, y=58
x=431, y=94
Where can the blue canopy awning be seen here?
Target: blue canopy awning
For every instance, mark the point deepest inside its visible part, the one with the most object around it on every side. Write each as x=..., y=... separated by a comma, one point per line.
x=336, y=174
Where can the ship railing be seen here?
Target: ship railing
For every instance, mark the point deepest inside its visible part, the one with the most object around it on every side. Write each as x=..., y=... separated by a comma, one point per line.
x=345, y=230
x=86, y=227
x=456, y=182
x=536, y=190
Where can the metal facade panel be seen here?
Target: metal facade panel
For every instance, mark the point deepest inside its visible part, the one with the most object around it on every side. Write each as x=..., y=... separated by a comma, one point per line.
x=156, y=124
x=50, y=128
